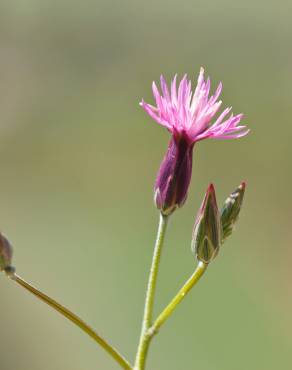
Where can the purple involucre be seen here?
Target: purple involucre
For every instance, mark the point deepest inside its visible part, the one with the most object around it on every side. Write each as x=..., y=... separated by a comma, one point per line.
x=174, y=176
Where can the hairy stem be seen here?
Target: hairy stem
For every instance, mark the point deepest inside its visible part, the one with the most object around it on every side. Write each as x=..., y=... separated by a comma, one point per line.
x=73, y=318
x=149, y=301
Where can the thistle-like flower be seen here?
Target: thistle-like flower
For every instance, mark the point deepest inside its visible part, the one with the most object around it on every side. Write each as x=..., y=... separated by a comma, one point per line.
x=188, y=117
x=207, y=232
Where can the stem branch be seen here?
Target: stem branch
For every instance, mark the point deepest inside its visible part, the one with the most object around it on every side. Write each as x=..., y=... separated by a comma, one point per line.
x=75, y=319
x=195, y=277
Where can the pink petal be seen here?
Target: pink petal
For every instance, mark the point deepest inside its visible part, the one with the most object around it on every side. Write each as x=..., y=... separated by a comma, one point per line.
x=156, y=95
x=152, y=111
x=217, y=94
x=235, y=136
x=164, y=89
x=173, y=91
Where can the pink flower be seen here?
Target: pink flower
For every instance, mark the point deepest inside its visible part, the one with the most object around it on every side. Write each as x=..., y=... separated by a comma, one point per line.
x=188, y=117
x=184, y=112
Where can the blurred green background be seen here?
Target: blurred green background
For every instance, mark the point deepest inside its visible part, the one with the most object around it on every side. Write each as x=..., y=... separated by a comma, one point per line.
x=78, y=158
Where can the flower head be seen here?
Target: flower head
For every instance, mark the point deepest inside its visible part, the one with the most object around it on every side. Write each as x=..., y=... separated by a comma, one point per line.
x=189, y=113
x=188, y=116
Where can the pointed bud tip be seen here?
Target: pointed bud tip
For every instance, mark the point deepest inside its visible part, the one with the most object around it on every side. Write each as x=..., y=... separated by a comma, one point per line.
x=211, y=195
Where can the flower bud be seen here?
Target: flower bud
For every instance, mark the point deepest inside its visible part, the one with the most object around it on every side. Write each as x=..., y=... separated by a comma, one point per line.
x=174, y=175
x=230, y=210
x=5, y=253
x=207, y=229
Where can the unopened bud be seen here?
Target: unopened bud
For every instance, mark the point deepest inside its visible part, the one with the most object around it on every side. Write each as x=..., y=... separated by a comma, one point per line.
x=5, y=253
x=231, y=209
x=207, y=229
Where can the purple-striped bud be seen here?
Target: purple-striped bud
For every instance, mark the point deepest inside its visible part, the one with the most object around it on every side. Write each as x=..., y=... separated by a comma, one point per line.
x=231, y=209
x=207, y=229
x=5, y=253
x=174, y=176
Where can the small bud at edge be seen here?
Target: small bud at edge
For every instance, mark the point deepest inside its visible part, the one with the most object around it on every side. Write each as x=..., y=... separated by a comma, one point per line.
x=5, y=253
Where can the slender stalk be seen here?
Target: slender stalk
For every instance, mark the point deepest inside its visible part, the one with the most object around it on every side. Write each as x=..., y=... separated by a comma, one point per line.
x=201, y=268
x=149, y=301
x=75, y=319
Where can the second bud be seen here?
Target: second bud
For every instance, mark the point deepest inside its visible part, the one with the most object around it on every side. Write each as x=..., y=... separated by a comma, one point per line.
x=207, y=232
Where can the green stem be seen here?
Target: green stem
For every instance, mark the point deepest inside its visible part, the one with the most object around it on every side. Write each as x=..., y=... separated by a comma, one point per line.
x=149, y=302
x=201, y=268
x=75, y=319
